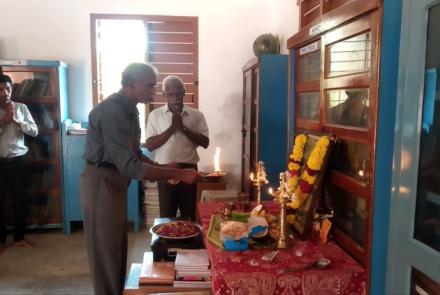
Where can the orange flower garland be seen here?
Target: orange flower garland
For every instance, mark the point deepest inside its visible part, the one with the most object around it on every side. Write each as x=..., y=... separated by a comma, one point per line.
x=308, y=177
x=295, y=159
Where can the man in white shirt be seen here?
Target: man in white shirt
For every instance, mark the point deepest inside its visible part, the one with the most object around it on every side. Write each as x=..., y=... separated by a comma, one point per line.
x=15, y=121
x=175, y=131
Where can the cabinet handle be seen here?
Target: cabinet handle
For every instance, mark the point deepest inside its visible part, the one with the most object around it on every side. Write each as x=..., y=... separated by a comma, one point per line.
x=244, y=132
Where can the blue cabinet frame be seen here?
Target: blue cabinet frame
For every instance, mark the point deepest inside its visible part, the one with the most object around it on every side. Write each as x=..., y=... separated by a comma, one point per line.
x=73, y=149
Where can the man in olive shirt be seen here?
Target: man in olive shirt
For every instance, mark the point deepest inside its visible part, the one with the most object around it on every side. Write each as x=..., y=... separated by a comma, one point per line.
x=113, y=157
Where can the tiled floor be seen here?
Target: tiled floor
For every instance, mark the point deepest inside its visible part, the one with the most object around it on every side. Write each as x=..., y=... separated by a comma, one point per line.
x=57, y=265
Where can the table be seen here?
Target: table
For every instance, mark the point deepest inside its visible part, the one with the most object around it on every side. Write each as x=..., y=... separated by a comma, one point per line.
x=132, y=286
x=246, y=273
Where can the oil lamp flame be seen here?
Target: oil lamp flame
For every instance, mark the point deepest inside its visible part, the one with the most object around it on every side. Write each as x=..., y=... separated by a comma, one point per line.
x=217, y=160
x=270, y=191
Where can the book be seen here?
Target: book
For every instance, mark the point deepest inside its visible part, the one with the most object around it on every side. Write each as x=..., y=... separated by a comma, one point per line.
x=156, y=272
x=192, y=259
x=192, y=284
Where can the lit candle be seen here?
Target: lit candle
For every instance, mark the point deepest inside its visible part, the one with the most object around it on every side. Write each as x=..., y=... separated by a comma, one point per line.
x=217, y=160
x=270, y=191
x=252, y=176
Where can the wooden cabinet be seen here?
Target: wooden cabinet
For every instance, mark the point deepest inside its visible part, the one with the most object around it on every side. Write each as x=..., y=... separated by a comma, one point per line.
x=264, y=117
x=42, y=86
x=334, y=90
x=313, y=12
x=73, y=165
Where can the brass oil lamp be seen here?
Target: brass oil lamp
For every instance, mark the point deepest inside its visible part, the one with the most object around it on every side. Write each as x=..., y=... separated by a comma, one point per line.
x=283, y=196
x=259, y=179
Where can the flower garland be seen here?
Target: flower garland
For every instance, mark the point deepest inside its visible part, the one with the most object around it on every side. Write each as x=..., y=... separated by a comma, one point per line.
x=295, y=159
x=308, y=177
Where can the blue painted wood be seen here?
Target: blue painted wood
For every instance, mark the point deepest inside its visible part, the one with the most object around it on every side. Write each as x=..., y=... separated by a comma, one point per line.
x=272, y=115
x=32, y=63
x=62, y=81
x=291, y=103
x=73, y=149
x=384, y=142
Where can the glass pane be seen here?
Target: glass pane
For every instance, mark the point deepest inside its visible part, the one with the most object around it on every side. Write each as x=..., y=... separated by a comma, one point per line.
x=348, y=107
x=40, y=178
x=309, y=106
x=29, y=86
x=42, y=115
x=421, y=284
x=42, y=207
x=350, y=56
x=350, y=213
x=427, y=218
x=310, y=62
x=351, y=158
x=40, y=147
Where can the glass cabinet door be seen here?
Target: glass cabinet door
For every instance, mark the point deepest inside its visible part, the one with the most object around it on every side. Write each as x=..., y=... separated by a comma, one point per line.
x=37, y=88
x=350, y=56
x=32, y=85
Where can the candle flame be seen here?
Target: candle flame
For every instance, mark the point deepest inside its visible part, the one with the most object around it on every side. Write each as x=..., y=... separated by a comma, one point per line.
x=252, y=176
x=217, y=160
x=270, y=191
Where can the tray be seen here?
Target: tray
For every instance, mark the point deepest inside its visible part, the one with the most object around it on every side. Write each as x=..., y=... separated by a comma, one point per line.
x=212, y=176
x=176, y=230
x=213, y=234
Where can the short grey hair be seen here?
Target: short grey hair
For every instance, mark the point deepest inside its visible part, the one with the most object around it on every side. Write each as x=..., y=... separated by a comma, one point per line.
x=170, y=78
x=136, y=71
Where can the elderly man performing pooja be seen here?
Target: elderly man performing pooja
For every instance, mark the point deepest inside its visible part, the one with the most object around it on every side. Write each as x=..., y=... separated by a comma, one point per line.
x=113, y=156
x=175, y=131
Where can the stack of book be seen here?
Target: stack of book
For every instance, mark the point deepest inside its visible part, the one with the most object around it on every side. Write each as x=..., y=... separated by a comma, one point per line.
x=151, y=203
x=192, y=269
x=156, y=273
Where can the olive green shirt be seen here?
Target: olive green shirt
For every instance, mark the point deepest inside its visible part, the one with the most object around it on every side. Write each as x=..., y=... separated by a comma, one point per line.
x=113, y=136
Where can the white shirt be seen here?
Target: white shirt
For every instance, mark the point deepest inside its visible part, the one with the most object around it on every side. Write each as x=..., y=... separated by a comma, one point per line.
x=12, y=136
x=178, y=148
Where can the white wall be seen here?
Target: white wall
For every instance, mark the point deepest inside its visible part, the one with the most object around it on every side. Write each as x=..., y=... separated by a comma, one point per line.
x=60, y=30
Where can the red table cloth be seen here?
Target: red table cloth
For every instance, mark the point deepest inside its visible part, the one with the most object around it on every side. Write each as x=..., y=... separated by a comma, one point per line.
x=245, y=273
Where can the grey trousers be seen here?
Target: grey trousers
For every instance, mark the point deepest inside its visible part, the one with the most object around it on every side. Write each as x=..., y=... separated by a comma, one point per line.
x=104, y=206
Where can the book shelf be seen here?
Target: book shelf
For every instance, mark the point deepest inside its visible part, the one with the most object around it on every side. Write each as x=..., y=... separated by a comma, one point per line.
x=311, y=10
x=42, y=86
x=333, y=89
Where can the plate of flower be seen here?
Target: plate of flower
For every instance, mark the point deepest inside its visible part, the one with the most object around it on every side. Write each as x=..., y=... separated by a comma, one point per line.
x=176, y=230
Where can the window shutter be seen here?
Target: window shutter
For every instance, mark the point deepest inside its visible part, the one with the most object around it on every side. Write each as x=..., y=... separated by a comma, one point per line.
x=173, y=50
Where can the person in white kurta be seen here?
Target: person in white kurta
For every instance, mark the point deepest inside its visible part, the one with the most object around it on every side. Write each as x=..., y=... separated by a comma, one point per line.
x=174, y=132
